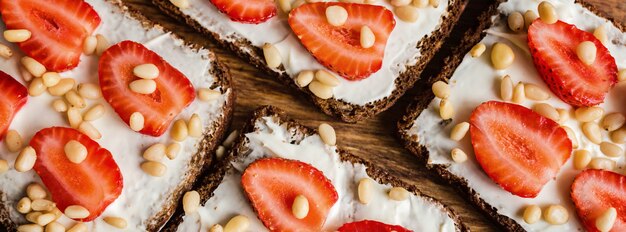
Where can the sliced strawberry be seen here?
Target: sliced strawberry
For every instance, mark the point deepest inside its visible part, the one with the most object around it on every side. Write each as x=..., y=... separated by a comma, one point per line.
x=273, y=183
x=370, y=226
x=173, y=94
x=518, y=149
x=553, y=48
x=93, y=184
x=594, y=191
x=58, y=29
x=13, y=96
x=247, y=11
x=339, y=48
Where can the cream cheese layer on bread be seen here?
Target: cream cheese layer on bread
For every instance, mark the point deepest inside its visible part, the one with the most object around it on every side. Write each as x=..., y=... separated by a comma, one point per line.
x=401, y=51
x=273, y=139
x=476, y=81
x=143, y=196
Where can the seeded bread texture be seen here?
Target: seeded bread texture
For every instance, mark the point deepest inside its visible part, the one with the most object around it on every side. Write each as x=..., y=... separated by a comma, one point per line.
x=345, y=111
x=198, y=165
x=472, y=36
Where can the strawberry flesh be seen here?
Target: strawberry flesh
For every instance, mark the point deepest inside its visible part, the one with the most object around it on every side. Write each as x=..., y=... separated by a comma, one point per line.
x=519, y=149
x=339, y=48
x=594, y=191
x=553, y=48
x=93, y=184
x=173, y=94
x=370, y=226
x=13, y=96
x=247, y=11
x=272, y=184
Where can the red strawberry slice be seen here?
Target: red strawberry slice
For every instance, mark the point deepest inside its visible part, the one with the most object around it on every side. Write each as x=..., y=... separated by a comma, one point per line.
x=273, y=183
x=93, y=184
x=13, y=96
x=518, y=149
x=370, y=226
x=247, y=11
x=58, y=29
x=553, y=48
x=339, y=48
x=173, y=94
x=594, y=191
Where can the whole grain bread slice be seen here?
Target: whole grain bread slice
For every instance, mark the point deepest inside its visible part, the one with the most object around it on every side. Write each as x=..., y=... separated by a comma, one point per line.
x=345, y=111
x=472, y=35
x=240, y=149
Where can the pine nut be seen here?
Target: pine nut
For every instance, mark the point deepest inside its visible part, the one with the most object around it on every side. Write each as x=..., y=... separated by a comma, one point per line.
x=285, y=5
x=216, y=228
x=74, y=117
x=535, y=93
x=238, y=223
x=206, y=95
x=55, y=227
x=368, y=39
x=611, y=150
x=326, y=78
x=532, y=214
x=57, y=213
x=33, y=66
x=300, y=207
x=547, y=13
x=478, y=50
x=26, y=159
x=529, y=17
x=4, y=166
x=88, y=129
x=398, y=194
x=547, y=111
x=143, y=86
x=30, y=228
x=78, y=227
x=230, y=140
x=336, y=15
x=45, y=219
x=5, y=51
x=588, y=114
x=76, y=212
x=155, y=169
x=446, y=110
x=400, y=2
x=606, y=220
x=600, y=34
x=441, y=89
x=407, y=13
x=89, y=45
x=592, y=132
x=50, y=79
x=602, y=163
x=459, y=130
x=116, y=222
x=75, y=100
x=89, y=91
x=613, y=121
x=17, y=35
x=519, y=93
x=155, y=152
x=506, y=88
x=420, y=3
x=136, y=121
x=619, y=136
x=64, y=85
x=14, y=141
x=146, y=71
x=582, y=158
x=36, y=87
x=32, y=216
x=191, y=202
x=25, y=74
x=23, y=205
x=35, y=191
x=556, y=215
x=458, y=155
x=327, y=134
x=272, y=55
x=94, y=113
x=172, y=151
x=180, y=130
x=563, y=115
x=515, y=21
x=42, y=205
x=365, y=191
x=586, y=52
x=434, y=3
x=320, y=90
x=502, y=56
x=182, y=4
x=102, y=45
x=304, y=78
x=75, y=151
x=195, y=126
x=220, y=151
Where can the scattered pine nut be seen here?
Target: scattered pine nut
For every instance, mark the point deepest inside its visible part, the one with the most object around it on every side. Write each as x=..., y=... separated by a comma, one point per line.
x=230, y=140
x=532, y=214
x=611, y=150
x=89, y=91
x=216, y=228
x=588, y=114
x=606, y=220
x=613, y=121
x=181, y=4
x=195, y=126
x=146, y=71
x=398, y=194
x=23, y=205
x=300, y=207
x=74, y=117
x=155, y=152
x=17, y=35
x=400, y=2
x=89, y=45
x=88, y=129
x=529, y=17
x=368, y=39
x=459, y=130
x=14, y=141
x=285, y=5
x=116, y=222
x=180, y=130
x=519, y=93
x=420, y=3
x=238, y=223
x=30, y=228
x=600, y=34
x=320, y=90
x=506, y=88
x=441, y=89
x=102, y=45
x=155, y=169
x=205, y=94
x=191, y=202
x=64, y=85
x=478, y=50
x=75, y=151
x=42, y=205
x=55, y=227
x=172, y=151
x=407, y=13
x=434, y=3
x=446, y=110
x=33, y=66
x=535, y=93
x=50, y=79
x=304, y=78
x=547, y=13
x=336, y=15
x=45, y=219
x=564, y=115
x=586, y=52
x=36, y=87
x=326, y=78
x=515, y=21
x=327, y=134
x=602, y=163
x=26, y=159
x=556, y=215
x=582, y=158
x=143, y=86
x=547, y=111
x=592, y=132
x=94, y=113
x=619, y=136
x=502, y=56
x=32, y=216
x=365, y=191
x=272, y=56
x=5, y=51
x=621, y=75
x=4, y=166
x=136, y=121
x=35, y=191
x=458, y=155
x=75, y=100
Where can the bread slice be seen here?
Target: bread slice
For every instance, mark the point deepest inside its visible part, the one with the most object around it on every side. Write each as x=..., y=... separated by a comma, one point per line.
x=422, y=115
x=209, y=21
x=278, y=136
x=146, y=202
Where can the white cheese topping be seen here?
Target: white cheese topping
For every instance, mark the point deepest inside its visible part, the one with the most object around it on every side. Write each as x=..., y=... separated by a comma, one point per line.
x=142, y=195
x=475, y=82
x=274, y=140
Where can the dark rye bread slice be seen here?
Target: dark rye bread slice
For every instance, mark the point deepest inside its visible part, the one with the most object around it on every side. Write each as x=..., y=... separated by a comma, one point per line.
x=472, y=35
x=240, y=149
x=347, y=112
x=200, y=161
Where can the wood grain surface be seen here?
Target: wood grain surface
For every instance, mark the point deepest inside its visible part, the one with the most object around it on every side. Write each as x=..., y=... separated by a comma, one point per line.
x=374, y=139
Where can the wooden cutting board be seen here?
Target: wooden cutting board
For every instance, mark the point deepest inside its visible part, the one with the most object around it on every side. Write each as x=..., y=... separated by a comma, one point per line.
x=374, y=139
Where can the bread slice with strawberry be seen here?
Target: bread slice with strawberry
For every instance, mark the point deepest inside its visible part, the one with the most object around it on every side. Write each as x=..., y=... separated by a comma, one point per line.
x=281, y=176
x=107, y=118
x=368, y=54
x=525, y=117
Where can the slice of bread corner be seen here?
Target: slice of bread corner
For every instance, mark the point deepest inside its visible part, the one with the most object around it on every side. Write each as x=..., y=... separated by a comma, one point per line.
x=472, y=35
x=345, y=111
x=298, y=132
